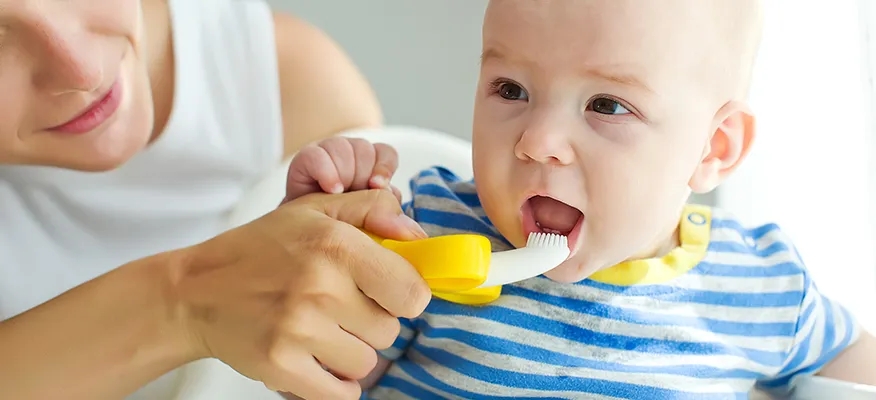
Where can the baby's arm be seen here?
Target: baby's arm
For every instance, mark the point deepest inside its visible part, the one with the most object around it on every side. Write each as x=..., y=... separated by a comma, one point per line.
x=340, y=164
x=855, y=364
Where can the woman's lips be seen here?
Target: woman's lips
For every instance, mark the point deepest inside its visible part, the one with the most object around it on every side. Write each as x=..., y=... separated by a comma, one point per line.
x=96, y=114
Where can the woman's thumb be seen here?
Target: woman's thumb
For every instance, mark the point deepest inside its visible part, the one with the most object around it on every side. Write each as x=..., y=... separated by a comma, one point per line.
x=376, y=211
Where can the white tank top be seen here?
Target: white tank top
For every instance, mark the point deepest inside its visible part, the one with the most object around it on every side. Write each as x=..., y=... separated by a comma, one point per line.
x=61, y=228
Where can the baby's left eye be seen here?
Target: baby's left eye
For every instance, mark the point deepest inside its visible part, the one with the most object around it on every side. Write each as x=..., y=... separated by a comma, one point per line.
x=607, y=106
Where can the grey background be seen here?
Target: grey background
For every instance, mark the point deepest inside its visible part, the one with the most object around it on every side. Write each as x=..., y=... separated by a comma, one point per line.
x=420, y=56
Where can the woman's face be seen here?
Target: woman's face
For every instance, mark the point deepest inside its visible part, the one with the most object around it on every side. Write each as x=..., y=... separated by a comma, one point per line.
x=74, y=88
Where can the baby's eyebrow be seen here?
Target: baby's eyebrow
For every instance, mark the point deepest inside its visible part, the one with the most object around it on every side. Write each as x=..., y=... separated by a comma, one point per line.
x=619, y=78
x=491, y=53
x=605, y=73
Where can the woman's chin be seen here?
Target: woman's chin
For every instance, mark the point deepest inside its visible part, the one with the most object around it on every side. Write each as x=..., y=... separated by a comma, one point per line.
x=107, y=157
x=93, y=157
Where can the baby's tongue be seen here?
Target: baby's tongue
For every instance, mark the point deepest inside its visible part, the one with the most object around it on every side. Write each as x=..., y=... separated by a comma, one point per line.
x=554, y=216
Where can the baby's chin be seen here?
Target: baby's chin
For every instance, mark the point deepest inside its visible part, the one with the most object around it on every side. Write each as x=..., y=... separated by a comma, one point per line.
x=572, y=270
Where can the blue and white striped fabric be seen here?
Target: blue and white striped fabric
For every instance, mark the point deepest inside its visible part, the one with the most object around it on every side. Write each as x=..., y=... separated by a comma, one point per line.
x=747, y=313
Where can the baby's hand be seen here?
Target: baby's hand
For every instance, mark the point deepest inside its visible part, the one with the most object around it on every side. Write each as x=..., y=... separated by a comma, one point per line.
x=339, y=164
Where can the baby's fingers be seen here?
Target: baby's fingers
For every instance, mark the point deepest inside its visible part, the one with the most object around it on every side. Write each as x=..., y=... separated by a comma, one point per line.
x=313, y=168
x=385, y=165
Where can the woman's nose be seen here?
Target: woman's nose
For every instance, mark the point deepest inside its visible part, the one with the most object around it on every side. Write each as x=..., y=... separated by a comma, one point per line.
x=66, y=57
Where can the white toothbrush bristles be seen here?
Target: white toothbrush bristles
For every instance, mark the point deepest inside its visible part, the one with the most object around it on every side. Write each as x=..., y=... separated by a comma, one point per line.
x=543, y=252
x=541, y=239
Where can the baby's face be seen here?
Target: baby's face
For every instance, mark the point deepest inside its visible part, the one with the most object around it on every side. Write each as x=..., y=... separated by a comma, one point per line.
x=590, y=122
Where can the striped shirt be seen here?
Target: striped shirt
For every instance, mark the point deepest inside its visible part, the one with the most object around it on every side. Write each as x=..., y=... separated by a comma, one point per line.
x=745, y=313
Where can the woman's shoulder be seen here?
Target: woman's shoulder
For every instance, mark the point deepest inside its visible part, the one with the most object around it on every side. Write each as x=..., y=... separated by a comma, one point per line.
x=322, y=90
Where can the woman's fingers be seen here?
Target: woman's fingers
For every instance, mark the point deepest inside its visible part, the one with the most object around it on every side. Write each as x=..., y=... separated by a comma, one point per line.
x=397, y=193
x=369, y=322
x=302, y=375
x=344, y=354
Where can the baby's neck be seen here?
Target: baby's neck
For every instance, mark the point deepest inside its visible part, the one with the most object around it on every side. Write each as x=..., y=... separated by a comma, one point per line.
x=681, y=247
x=667, y=242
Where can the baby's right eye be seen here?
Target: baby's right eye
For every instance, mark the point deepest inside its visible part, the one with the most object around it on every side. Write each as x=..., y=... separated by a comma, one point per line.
x=509, y=90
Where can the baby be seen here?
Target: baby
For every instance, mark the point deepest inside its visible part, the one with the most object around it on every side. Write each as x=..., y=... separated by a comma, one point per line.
x=596, y=119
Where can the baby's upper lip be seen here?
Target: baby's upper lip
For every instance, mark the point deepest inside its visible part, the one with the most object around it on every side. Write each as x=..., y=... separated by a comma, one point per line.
x=545, y=193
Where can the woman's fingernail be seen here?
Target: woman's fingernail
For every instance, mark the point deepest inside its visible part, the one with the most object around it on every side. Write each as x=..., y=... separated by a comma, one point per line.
x=412, y=226
x=338, y=188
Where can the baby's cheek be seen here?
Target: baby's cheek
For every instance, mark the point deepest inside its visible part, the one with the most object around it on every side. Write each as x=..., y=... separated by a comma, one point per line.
x=504, y=214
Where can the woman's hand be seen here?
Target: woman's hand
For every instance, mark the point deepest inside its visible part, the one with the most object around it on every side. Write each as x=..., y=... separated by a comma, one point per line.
x=302, y=288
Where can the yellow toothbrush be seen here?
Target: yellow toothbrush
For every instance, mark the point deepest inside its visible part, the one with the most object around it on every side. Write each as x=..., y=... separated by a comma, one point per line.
x=462, y=269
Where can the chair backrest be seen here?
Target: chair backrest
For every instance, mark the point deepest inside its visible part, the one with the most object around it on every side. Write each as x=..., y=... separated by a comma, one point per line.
x=418, y=148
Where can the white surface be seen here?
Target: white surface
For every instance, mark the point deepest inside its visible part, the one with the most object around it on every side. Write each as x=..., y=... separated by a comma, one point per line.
x=812, y=163
x=418, y=149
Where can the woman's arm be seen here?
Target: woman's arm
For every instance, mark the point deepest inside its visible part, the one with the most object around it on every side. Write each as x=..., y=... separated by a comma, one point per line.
x=321, y=90
x=101, y=340
x=267, y=298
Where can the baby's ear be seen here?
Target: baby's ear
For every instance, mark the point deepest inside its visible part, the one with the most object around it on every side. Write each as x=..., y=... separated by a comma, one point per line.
x=730, y=143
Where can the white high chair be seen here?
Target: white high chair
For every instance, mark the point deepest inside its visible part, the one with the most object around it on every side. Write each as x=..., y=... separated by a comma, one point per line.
x=418, y=149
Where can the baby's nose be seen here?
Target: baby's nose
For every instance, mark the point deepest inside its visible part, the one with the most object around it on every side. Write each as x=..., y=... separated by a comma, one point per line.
x=545, y=146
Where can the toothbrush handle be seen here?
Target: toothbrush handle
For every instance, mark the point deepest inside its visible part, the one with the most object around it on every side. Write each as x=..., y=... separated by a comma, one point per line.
x=453, y=266
x=472, y=297
x=449, y=263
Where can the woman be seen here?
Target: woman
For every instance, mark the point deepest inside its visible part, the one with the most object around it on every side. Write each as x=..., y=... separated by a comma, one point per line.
x=130, y=128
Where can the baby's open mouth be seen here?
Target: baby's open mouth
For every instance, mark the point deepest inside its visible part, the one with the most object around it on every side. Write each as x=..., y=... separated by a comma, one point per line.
x=549, y=215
